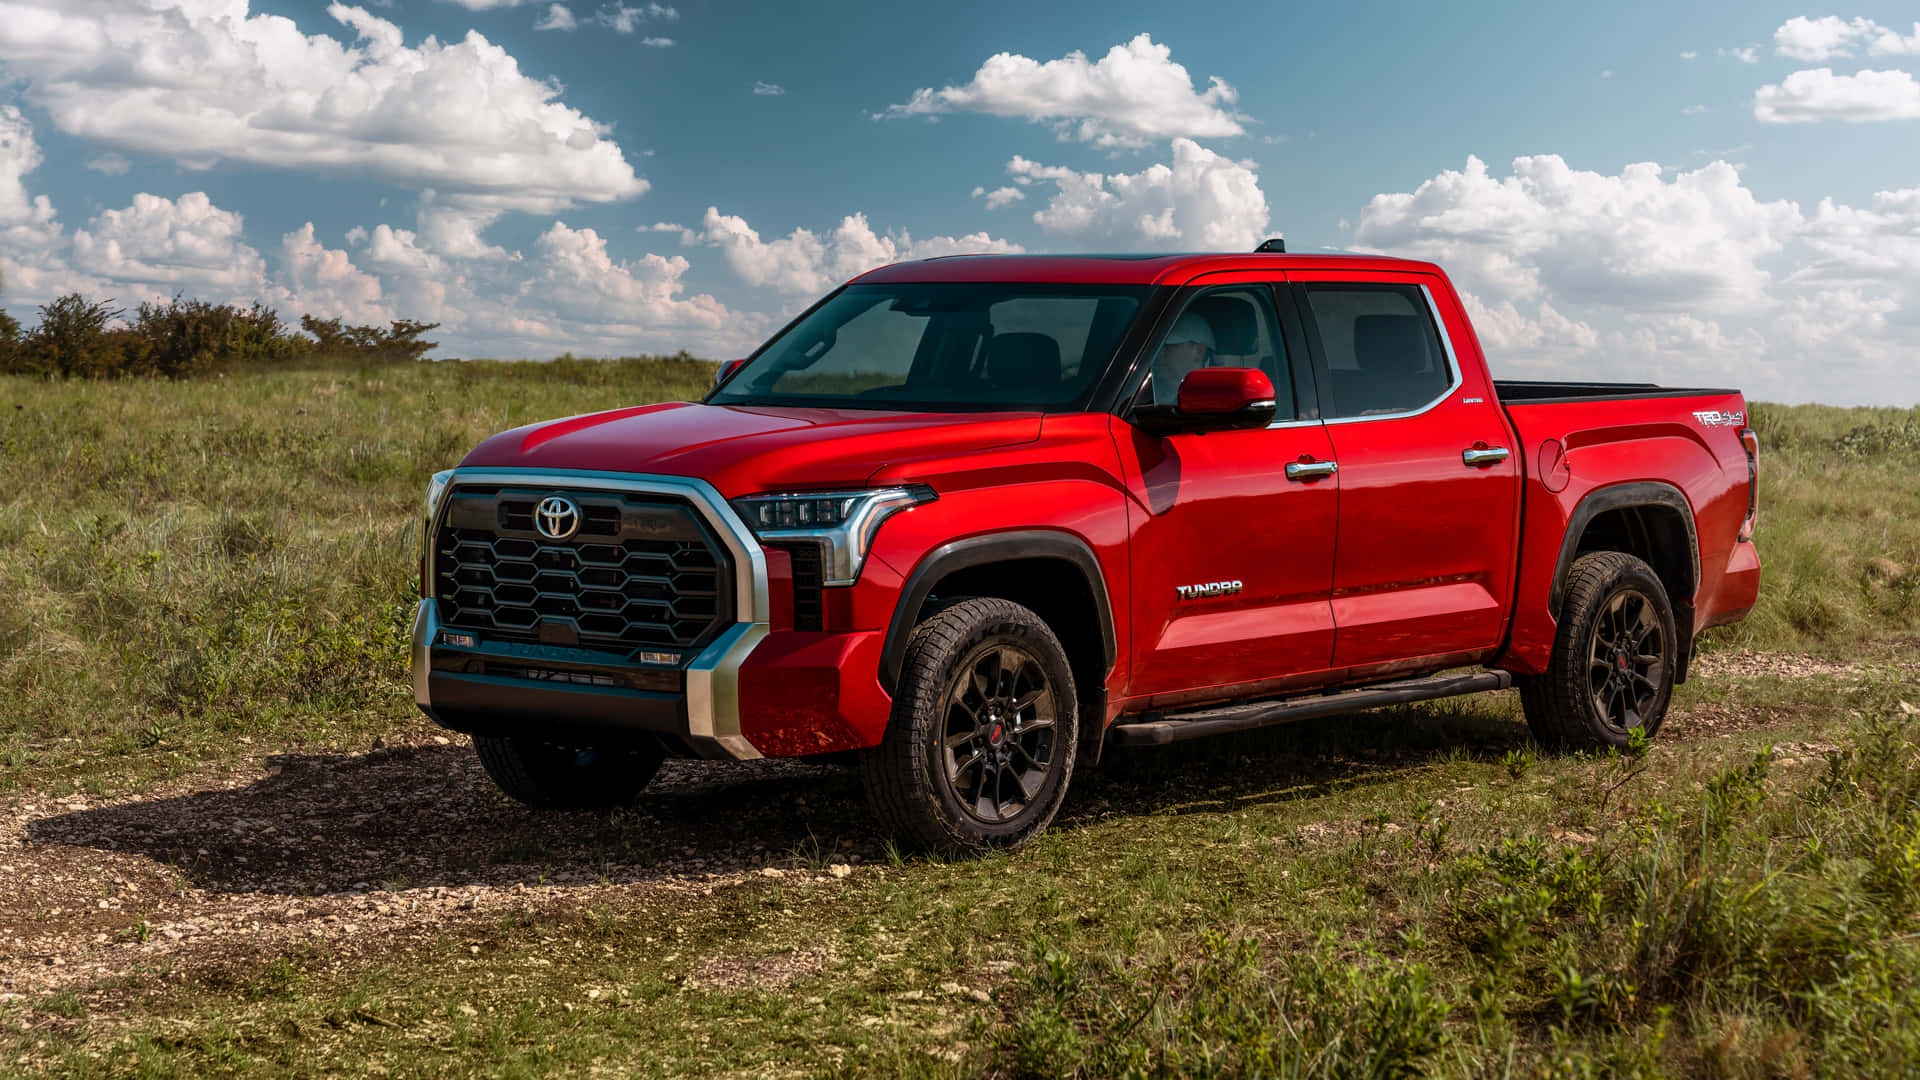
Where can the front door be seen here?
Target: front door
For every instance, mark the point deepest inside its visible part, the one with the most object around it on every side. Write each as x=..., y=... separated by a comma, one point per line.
x=1233, y=533
x=1429, y=485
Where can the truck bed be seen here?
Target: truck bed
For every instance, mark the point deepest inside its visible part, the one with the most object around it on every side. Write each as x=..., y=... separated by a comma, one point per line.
x=1543, y=392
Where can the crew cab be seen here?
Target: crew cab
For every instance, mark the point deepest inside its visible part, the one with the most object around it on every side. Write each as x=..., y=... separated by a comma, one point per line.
x=974, y=518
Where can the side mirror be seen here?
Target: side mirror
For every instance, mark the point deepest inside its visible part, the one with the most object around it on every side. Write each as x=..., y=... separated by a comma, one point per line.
x=1214, y=399
x=725, y=372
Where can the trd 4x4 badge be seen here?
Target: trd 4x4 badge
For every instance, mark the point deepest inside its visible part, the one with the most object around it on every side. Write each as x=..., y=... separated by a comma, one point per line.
x=1212, y=588
x=1719, y=418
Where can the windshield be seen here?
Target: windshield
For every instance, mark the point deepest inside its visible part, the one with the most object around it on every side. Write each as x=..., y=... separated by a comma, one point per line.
x=943, y=347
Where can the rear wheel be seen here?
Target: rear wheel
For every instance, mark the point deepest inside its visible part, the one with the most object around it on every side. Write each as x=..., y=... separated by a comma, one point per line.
x=1613, y=660
x=547, y=776
x=981, y=745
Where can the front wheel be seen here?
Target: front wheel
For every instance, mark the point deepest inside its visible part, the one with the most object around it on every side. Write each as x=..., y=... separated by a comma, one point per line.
x=985, y=725
x=1613, y=660
x=547, y=776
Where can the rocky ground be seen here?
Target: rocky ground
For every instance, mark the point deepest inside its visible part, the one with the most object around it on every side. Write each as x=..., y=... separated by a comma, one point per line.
x=350, y=853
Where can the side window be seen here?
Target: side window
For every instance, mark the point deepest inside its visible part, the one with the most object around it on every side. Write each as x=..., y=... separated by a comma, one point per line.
x=1381, y=348
x=1231, y=326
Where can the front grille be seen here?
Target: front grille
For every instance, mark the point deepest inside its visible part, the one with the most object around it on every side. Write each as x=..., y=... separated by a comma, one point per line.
x=642, y=571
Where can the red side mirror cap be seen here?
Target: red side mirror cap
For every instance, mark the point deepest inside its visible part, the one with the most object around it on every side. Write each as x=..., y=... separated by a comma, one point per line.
x=1224, y=391
x=726, y=371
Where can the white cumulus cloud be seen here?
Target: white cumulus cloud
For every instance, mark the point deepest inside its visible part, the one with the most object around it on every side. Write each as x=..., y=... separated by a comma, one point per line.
x=1200, y=201
x=187, y=244
x=1635, y=239
x=1134, y=94
x=1819, y=94
x=1830, y=36
x=1000, y=196
x=204, y=81
x=557, y=17
x=575, y=277
x=807, y=263
x=1640, y=275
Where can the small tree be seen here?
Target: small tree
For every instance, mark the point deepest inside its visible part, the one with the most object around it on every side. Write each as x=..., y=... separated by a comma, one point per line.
x=73, y=339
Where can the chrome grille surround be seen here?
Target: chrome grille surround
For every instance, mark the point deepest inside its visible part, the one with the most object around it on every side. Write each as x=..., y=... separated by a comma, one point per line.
x=713, y=675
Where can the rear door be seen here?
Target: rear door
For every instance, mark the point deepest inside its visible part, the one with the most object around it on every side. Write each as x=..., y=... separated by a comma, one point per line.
x=1429, y=487
x=1233, y=531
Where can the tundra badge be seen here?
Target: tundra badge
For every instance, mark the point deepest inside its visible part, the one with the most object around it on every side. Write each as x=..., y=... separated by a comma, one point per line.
x=1212, y=588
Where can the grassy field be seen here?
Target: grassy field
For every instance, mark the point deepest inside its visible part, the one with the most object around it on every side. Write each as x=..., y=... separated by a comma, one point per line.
x=197, y=574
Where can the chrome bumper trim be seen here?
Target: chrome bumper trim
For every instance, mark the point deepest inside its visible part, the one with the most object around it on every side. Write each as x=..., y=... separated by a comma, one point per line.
x=713, y=678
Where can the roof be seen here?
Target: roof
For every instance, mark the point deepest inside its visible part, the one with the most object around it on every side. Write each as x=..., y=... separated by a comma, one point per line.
x=1123, y=269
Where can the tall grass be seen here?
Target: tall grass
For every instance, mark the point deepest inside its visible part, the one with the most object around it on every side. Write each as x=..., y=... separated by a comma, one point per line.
x=1746, y=925
x=1839, y=531
x=186, y=563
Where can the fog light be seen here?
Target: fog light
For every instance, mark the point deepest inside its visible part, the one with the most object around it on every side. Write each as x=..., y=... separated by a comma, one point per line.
x=645, y=657
x=458, y=641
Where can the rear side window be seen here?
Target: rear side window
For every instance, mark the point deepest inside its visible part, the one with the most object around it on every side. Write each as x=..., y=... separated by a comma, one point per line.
x=1381, y=348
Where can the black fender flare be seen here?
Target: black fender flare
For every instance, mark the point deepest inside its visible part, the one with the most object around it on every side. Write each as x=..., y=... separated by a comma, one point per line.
x=975, y=551
x=1620, y=497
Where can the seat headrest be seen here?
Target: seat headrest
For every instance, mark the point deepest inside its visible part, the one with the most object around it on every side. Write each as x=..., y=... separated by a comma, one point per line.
x=1236, y=330
x=1023, y=359
x=1390, y=346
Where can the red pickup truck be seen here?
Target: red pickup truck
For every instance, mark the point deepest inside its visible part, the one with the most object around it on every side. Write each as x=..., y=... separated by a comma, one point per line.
x=975, y=517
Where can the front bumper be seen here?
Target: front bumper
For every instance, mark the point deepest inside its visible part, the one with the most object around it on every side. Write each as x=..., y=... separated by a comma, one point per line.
x=498, y=688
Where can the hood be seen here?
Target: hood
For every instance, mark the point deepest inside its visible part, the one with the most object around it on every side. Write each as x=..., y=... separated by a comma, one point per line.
x=742, y=449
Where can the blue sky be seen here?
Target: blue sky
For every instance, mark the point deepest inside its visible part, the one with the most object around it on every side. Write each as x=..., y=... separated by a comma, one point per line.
x=619, y=185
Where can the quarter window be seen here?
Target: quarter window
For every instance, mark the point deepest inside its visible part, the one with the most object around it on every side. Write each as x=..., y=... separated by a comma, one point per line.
x=1381, y=349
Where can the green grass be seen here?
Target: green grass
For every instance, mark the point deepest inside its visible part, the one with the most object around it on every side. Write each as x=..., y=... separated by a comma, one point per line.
x=183, y=564
x=1413, y=892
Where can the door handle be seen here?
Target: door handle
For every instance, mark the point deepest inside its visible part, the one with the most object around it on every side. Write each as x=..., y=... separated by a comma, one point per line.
x=1484, y=455
x=1311, y=470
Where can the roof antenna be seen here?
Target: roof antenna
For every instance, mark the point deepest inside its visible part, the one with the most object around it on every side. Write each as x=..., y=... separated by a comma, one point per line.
x=1275, y=246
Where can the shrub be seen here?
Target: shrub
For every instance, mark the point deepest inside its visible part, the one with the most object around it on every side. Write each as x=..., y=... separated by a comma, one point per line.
x=400, y=342
x=72, y=339
x=80, y=338
x=191, y=337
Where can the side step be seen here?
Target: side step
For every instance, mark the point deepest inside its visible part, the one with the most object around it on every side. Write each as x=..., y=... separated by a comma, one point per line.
x=1179, y=727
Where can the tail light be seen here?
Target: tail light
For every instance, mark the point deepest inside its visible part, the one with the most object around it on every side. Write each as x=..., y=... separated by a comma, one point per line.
x=1751, y=442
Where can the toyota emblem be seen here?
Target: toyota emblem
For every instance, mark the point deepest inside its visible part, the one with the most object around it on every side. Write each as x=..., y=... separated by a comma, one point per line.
x=556, y=517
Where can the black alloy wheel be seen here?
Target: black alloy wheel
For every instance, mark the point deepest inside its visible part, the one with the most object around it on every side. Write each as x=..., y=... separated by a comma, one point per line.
x=1627, y=660
x=1614, y=657
x=980, y=748
x=1000, y=731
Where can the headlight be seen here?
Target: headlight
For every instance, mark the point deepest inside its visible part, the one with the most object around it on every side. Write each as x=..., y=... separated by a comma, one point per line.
x=436, y=487
x=843, y=523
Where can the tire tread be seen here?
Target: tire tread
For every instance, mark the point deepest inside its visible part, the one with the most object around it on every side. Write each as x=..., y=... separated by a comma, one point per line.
x=898, y=786
x=1555, y=702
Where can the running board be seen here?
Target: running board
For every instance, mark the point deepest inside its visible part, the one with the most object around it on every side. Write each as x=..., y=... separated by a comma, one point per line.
x=1219, y=720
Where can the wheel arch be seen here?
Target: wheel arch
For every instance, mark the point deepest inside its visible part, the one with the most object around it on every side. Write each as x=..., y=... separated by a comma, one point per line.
x=1055, y=574
x=1650, y=520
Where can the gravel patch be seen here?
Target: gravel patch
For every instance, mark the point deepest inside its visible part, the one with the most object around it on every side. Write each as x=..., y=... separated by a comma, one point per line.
x=354, y=853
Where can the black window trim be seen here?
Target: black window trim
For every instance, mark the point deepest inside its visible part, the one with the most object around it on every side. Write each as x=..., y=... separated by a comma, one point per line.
x=1323, y=372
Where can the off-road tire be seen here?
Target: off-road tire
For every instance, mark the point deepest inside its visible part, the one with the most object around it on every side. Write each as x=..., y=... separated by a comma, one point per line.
x=1573, y=706
x=546, y=776
x=907, y=777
